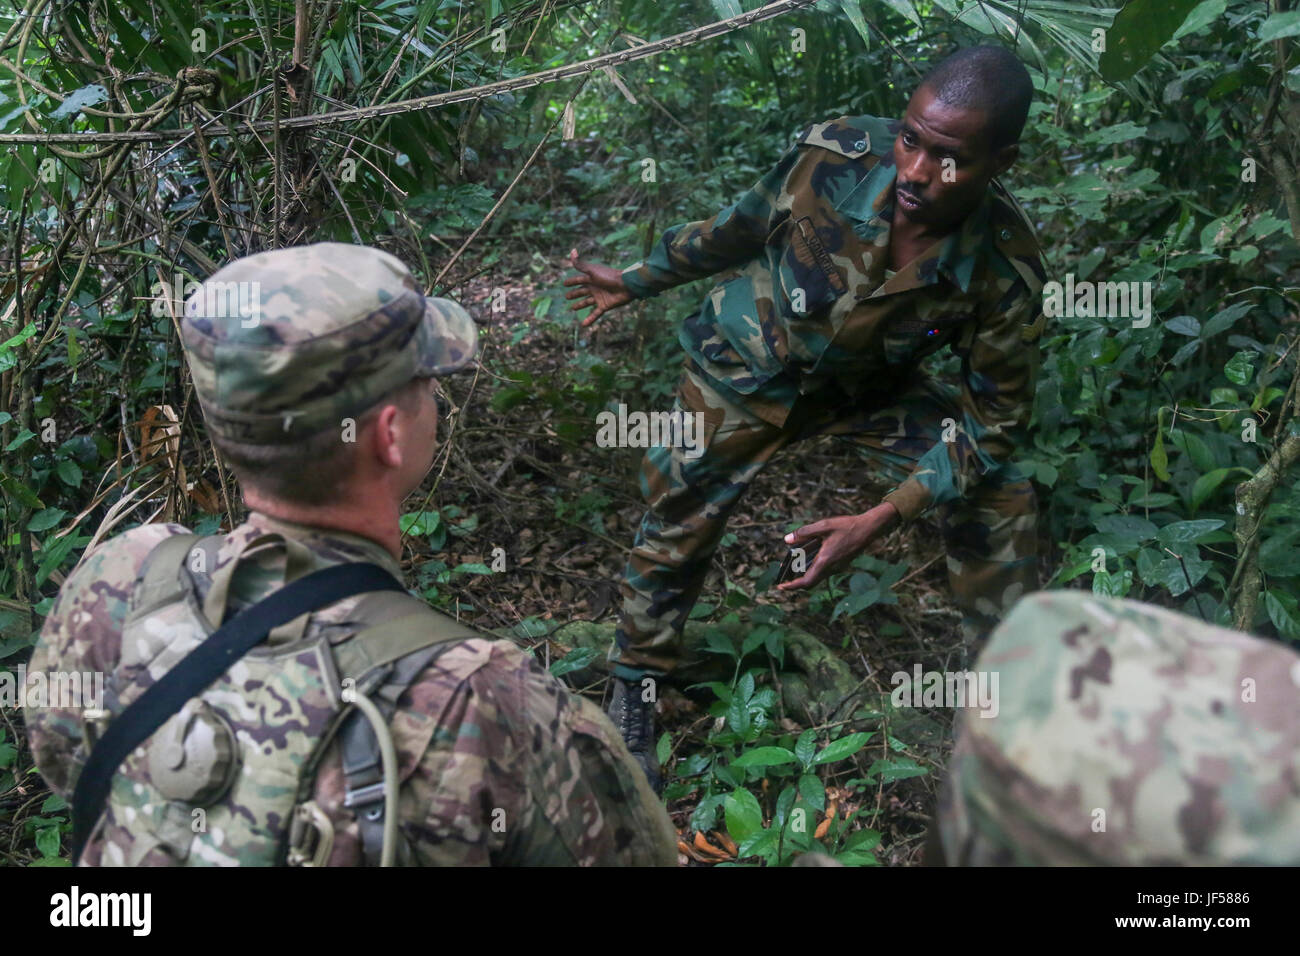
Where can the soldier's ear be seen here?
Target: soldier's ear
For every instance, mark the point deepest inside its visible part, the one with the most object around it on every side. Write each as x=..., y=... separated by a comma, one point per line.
x=386, y=438
x=1005, y=158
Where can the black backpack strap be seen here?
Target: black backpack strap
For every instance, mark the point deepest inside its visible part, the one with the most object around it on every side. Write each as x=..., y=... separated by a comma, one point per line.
x=200, y=668
x=389, y=654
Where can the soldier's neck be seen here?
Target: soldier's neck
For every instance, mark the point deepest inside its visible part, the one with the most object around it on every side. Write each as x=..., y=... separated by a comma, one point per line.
x=371, y=516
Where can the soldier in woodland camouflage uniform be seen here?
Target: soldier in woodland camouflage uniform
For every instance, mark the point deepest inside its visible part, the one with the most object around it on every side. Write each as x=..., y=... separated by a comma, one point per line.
x=321, y=397
x=871, y=245
x=1125, y=734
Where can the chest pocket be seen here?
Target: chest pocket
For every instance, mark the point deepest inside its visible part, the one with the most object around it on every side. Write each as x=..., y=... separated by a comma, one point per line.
x=909, y=339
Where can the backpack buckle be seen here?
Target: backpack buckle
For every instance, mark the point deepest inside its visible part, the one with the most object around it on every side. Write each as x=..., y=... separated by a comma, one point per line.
x=311, y=836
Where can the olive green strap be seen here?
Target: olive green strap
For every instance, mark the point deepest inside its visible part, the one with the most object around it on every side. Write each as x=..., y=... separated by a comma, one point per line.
x=381, y=644
x=159, y=580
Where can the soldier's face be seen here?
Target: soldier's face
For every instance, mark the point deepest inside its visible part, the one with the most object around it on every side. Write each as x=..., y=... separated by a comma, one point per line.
x=944, y=162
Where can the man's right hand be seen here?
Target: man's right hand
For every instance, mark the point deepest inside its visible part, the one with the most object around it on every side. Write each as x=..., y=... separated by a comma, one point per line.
x=600, y=288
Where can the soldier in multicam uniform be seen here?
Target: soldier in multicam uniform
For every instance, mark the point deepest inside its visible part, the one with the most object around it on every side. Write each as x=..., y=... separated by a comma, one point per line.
x=1125, y=735
x=322, y=400
x=871, y=245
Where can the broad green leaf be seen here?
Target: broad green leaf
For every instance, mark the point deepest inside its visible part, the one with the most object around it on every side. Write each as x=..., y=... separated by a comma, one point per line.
x=811, y=789
x=1182, y=532
x=574, y=660
x=764, y=757
x=743, y=814
x=1138, y=32
x=763, y=843
x=1284, y=621
x=896, y=768
x=45, y=520
x=91, y=95
x=906, y=8
x=69, y=473
x=805, y=747
x=1205, y=14
x=846, y=746
x=1280, y=25
x=854, y=12
x=22, y=438
x=664, y=749
x=1225, y=319
x=1206, y=484
x=1240, y=368
x=47, y=841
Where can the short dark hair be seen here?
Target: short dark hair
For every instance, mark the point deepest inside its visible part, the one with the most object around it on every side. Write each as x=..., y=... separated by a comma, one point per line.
x=991, y=80
x=311, y=469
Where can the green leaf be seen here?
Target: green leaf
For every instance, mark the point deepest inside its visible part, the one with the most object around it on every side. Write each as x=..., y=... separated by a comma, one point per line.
x=1130, y=529
x=763, y=843
x=1182, y=532
x=805, y=747
x=764, y=757
x=813, y=791
x=1285, y=623
x=664, y=749
x=574, y=660
x=69, y=473
x=844, y=747
x=1207, y=483
x=91, y=95
x=1279, y=556
x=896, y=768
x=1184, y=325
x=1201, y=17
x=22, y=438
x=476, y=567
x=1138, y=32
x=19, y=492
x=1240, y=368
x=743, y=814
x=47, y=841
x=1223, y=320
x=719, y=643
x=1280, y=25
x=45, y=520
x=19, y=338
x=906, y=8
x=854, y=13
x=53, y=803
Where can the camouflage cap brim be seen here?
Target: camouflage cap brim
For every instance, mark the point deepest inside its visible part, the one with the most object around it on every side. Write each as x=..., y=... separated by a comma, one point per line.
x=448, y=338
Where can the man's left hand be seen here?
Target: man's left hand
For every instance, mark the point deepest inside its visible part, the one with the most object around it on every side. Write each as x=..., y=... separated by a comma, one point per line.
x=843, y=538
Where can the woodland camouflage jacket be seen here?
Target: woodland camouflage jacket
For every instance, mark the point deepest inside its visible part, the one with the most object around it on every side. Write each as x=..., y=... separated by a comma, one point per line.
x=802, y=299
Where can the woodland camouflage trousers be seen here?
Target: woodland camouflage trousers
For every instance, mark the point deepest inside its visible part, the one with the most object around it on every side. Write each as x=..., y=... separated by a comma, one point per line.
x=989, y=536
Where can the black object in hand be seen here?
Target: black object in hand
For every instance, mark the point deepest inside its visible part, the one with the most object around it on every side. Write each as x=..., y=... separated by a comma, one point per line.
x=787, y=571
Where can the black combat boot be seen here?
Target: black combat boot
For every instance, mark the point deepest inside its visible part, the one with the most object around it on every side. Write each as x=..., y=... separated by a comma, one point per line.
x=635, y=720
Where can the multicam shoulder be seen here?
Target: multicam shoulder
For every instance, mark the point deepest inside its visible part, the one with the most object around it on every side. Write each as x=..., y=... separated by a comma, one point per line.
x=852, y=136
x=502, y=765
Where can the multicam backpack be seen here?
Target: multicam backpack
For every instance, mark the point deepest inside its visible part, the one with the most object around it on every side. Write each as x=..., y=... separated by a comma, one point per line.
x=229, y=779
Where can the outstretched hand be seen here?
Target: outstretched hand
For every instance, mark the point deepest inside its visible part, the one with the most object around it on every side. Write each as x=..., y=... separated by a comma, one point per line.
x=599, y=288
x=843, y=538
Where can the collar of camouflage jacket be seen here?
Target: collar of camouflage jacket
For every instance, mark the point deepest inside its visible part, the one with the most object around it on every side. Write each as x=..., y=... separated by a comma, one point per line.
x=330, y=544
x=869, y=208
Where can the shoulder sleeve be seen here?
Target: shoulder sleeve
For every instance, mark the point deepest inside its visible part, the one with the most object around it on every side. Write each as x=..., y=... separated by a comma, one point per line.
x=519, y=771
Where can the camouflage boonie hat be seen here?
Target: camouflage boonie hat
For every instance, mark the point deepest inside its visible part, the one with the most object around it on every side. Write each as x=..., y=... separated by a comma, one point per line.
x=284, y=344
x=1126, y=735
